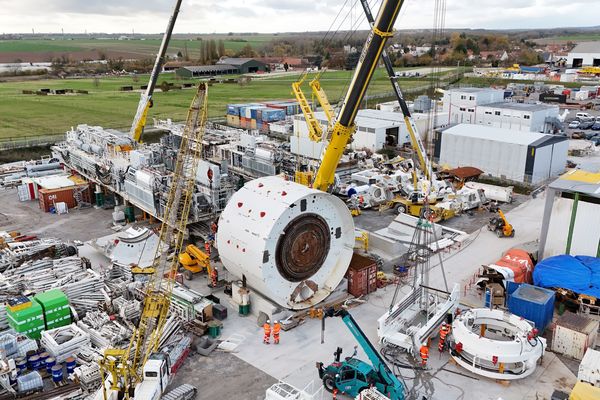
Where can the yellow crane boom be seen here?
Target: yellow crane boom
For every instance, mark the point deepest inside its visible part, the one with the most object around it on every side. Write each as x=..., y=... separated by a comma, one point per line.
x=124, y=365
x=315, y=131
x=344, y=127
x=321, y=97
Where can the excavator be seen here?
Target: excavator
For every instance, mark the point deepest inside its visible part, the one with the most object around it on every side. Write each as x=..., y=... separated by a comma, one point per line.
x=500, y=226
x=352, y=375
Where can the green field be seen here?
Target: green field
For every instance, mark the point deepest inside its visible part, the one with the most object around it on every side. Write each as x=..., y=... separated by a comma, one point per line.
x=30, y=115
x=589, y=37
x=27, y=49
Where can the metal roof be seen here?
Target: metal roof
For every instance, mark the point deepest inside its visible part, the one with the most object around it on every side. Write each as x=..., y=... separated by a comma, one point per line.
x=237, y=61
x=587, y=47
x=373, y=119
x=209, y=68
x=54, y=182
x=473, y=90
x=578, y=181
x=520, y=106
x=494, y=134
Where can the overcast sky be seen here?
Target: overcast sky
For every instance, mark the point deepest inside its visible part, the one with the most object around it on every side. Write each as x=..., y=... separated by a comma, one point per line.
x=210, y=16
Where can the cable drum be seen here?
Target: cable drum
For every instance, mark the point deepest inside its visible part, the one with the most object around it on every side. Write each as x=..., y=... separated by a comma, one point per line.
x=292, y=243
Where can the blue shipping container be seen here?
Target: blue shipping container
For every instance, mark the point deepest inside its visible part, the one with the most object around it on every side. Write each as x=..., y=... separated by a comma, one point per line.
x=511, y=287
x=272, y=115
x=234, y=109
x=254, y=112
x=533, y=303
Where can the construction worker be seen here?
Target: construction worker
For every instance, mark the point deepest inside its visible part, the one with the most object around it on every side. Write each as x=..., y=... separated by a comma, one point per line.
x=214, y=276
x=444, y=331
x=424, y=352
x=335, y=392
x=276, y=330
x=267, y=329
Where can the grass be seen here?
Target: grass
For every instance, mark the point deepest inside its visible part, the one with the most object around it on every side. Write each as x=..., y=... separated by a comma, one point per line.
x=578, y=37
x=147, y=47
x=31, y=115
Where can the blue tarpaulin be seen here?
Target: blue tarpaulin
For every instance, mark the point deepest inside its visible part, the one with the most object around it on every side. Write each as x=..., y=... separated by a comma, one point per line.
x=581, y=274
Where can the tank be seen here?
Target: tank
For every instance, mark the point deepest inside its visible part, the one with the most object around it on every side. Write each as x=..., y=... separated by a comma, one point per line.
x=292, y=243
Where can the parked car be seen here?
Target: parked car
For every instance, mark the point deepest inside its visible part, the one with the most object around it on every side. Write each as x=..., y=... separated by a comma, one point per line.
x=596, y=126
x=586, y=125
x=590, y=135
x=574, y=124
x=596, y=140
x=583, y=116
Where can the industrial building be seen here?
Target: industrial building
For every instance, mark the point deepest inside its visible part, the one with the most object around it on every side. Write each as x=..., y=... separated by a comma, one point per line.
x=460, y=105
x=584, y=54
x=375, y=129
x=517, y=156
x=244, y=65
x=571, y=209
x=518, y=116
x=206, y=70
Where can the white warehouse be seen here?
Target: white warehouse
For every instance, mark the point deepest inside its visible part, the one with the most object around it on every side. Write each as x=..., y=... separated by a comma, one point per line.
x=460, y=105
x=374, y=129
x=518, y=116
x=584, y=54
x=528, y=157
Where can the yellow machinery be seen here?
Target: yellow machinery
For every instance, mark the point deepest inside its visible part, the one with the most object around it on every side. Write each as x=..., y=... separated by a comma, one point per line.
x=139, y=121
x=304, y=177
x=500, y=226
x=319, y=94
x=592, y=71
x=315, y=131
x=194, y=260
x=418, y=209
x=344, y=127
x=125, y=365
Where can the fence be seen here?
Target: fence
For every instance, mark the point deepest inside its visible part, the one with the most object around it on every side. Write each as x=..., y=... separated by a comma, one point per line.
x=11, y=143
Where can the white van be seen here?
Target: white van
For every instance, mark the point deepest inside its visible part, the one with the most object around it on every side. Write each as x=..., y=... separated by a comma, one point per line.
x=583, y=116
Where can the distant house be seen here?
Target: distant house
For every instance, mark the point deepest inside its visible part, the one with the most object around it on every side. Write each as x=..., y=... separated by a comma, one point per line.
x=244, y=65
x=199, y=71
x=494, y=55
x=584, y=54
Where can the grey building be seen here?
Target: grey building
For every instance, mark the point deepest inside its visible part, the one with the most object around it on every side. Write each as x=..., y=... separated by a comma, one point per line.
x=518, y=156
x=244, y=65
x=206, y=70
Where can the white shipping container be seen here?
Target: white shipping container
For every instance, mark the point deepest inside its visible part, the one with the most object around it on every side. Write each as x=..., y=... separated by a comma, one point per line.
x=574, y=334
x=589, y=369
x=23, y=192
x=493, y=192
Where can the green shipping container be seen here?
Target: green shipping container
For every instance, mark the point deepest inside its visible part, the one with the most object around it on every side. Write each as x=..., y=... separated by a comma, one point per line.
x=52, y=301
x=31, y=314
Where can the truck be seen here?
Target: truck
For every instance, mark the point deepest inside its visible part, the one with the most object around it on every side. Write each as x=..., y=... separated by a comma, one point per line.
x=352, y=375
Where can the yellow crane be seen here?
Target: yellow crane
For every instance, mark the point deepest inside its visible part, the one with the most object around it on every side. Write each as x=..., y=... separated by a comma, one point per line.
x=139, y=121
x=344, y=127
x=319, y=94
x=315, y=131
x=125, y=366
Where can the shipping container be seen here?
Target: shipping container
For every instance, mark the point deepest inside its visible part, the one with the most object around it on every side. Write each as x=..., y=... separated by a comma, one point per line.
x=253, y=124
x=233, y=120
x=574, y=334
x=534, y=304
x=49, y=197
x=244, y=122
x=362, y=275
x=589, y=369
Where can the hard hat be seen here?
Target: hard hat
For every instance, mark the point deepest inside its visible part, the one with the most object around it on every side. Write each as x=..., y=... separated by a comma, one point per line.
x=268, y=321
x=276, y=321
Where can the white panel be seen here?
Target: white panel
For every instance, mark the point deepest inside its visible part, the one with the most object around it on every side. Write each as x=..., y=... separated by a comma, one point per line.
x=586, y=232
x=556, y=241
x=541, y=165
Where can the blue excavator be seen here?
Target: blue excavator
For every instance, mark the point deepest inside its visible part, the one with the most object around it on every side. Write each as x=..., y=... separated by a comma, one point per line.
x=352, y=375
